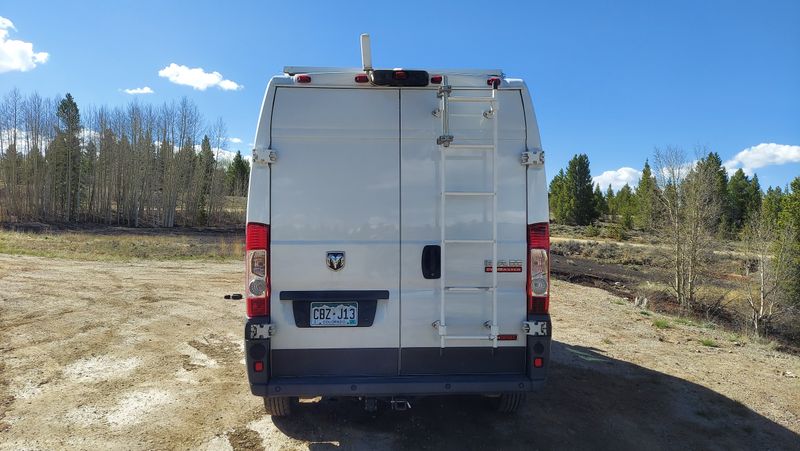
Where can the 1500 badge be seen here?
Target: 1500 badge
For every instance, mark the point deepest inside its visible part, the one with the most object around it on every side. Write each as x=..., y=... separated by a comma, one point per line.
x=503, y=266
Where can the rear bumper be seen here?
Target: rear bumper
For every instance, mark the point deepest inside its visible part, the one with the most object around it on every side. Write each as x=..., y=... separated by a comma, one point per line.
x=391, y=386
x=377, y=371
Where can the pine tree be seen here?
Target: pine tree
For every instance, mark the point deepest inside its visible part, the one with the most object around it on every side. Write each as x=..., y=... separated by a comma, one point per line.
x=559, y=198
x=579, y=187
x=754, y=196
x=738, y=199
x=789, y=218
x=611, y=202
x=202, y=184
x=70, y=121
x=626, y=206
x=772, y=204
x=646, y=199
x=711, y=166
x=600, y=204
x=238, y=175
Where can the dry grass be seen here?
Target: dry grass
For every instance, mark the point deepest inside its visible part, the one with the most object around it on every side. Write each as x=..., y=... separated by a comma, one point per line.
x=709, y=342
x=662, y=324
x=121, y=247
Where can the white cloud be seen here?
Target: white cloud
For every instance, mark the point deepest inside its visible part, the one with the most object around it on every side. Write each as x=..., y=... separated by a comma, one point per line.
x=17, y=55
x=764, y=154
x=197, y=78
x=235, y=140
x=133, y=91
x=5, y=24
x=618, y=178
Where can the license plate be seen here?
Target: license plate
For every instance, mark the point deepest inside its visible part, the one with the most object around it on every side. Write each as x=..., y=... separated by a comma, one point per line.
x=334, y=314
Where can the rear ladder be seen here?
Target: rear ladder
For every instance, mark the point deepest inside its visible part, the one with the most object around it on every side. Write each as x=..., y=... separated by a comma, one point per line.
x=446, y=145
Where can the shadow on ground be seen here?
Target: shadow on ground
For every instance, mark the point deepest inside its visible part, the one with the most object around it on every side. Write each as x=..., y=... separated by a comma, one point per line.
x=590, y=402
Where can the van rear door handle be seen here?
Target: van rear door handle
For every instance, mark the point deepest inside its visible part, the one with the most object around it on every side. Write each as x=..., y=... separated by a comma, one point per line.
x=432, y=261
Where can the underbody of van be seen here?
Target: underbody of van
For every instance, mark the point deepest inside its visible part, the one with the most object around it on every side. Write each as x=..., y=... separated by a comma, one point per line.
x=397, y=237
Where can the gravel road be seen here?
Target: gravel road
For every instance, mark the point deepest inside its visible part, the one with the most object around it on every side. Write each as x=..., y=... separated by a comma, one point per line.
x=147, y=355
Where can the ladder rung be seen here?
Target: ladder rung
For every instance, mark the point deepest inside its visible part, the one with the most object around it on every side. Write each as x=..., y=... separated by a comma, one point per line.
x=470, y=147
x=469, y=193
x=468, y=241
x=471, y=99
x=468, y=337
x=468, y=289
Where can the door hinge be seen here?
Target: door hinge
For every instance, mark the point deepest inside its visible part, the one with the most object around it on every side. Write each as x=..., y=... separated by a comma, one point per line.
x=535, y=158
x=261, y=331
x=265, y=156
x=535, y=328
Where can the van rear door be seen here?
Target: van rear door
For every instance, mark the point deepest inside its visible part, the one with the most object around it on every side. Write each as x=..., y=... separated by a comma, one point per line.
x=335, y=235
x=466, y=218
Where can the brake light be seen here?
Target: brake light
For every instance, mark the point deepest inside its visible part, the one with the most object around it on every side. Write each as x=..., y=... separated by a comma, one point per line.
x=494, y=82
x=400, y=75
x=538, y=268
x=257, y=269
x=362, y=78
x=436, y=79
x=302, y=78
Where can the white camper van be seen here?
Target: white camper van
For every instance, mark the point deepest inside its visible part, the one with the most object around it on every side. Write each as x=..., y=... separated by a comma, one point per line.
x=397, y=238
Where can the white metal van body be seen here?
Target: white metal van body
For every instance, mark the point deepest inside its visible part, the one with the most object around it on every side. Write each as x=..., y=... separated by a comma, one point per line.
x=353, y=170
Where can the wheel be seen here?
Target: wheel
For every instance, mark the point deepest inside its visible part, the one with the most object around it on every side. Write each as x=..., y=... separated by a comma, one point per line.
x=278, y=407
x=510, y=402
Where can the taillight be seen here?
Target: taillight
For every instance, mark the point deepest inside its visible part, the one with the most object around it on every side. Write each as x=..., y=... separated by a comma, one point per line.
x=494, y=82
x=303, y=78
x=436, y=79
x=257, y=269
x=538, y=267
x=400, y=75
x=361, y=78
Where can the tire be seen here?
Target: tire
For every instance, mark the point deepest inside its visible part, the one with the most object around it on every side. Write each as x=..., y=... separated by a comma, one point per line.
x=510, y=402
x=278, y=407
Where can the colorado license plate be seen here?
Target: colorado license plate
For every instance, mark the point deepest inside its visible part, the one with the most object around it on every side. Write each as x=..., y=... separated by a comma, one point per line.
x=334, y=314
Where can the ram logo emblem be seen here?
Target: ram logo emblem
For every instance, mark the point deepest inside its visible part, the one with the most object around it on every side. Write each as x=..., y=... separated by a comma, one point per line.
x=335, y=260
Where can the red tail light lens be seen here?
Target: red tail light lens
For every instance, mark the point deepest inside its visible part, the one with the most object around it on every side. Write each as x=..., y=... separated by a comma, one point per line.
x=361, y=78
x=493, y=82
x=302, y=78
x=538, y=268
x=257, y=269
x=400, y=75
x=436, y=79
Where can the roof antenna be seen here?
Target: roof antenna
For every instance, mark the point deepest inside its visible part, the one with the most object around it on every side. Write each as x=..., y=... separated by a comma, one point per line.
x=366, y=53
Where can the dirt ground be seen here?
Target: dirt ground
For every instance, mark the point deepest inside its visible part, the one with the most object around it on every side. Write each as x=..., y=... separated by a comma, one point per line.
x=147, y=355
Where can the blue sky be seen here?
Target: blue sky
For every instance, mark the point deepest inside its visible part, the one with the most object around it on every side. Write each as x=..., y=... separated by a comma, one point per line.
x=609, y=79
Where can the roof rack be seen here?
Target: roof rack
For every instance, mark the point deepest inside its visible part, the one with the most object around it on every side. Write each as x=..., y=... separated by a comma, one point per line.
x=294, y=70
